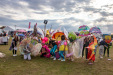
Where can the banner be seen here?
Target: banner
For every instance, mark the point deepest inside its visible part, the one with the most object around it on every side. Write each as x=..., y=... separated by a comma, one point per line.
x=29, y=25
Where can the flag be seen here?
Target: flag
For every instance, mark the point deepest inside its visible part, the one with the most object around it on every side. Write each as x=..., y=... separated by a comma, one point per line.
x=66, y=33
x=29, y=25
x=95, y=40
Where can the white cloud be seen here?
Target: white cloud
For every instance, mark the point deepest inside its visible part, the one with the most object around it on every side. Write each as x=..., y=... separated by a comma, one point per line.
x=100, y=3
x=23, y=3
x=57, y=11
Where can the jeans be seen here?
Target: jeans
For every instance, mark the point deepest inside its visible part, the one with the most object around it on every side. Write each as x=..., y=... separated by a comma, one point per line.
x=61, y=53
x=107, y=51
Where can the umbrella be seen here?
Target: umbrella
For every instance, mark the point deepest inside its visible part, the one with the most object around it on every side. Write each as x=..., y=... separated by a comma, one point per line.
x=95, y=30
x=21, y=35
x=57, y=35
x=84, y=27
x=21, y=30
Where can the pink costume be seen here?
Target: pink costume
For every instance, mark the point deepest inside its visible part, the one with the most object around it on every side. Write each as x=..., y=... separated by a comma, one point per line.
x=47, y=55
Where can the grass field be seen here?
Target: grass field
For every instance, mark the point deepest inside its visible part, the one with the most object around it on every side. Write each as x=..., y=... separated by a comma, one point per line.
x=10, y=65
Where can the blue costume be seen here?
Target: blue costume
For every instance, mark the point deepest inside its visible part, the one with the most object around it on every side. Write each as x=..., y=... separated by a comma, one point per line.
x=52, y=51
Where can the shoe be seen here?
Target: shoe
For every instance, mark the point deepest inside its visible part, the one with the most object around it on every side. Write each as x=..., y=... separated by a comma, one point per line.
x=101, y=57
x=54, y=59
x=63, y=60
x=90, y=63
x=13, y=54
x=59, y=59
x=109, y=59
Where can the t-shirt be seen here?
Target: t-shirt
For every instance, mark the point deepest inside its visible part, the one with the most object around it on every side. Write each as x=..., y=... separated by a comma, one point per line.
x=14, y=43
x=62, y=44
x=103, y=43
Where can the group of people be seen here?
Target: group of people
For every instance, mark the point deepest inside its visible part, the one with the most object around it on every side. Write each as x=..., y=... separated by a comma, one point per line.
x=102, y=44
x=61, y=50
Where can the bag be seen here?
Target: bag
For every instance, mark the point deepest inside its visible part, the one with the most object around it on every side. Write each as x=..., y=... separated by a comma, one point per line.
x=10, y=48
x=15, y=48
x=57, y=55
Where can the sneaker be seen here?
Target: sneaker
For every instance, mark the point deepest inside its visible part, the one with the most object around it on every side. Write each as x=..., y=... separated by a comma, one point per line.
x=13, y=54
x=90, y=63
x=101, y=57
x=63, y=60
x=54, y=59
x=59, y=59
x=109, y=59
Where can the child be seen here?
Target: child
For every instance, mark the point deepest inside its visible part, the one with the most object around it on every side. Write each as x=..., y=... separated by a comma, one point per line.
x=54, y=48
x=27, y=51
x=62, y=48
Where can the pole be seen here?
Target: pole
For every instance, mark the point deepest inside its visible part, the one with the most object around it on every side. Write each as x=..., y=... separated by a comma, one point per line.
x=15, y=27
x=50, y=28
x=45, y=30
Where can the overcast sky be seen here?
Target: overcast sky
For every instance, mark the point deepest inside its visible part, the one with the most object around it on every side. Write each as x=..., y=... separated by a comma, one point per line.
x=66, y=13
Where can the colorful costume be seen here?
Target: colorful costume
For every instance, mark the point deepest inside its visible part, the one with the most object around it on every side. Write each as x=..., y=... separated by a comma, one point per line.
x=91, y=53
x=36, y=49
x=45, y=52
x=52, y=51
x=27, y=52
x=70, y=49
x=62, y=45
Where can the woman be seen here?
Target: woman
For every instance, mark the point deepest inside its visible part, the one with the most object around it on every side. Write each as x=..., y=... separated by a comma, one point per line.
x=91, y=53
x=14, y=45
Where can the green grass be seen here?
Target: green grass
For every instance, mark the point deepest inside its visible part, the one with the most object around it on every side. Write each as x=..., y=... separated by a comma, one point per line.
x=10, y=65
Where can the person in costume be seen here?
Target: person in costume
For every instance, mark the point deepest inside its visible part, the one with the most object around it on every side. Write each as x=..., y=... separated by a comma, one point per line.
x=91, y=53
x=53, y=49
x=62, y=48
x=70, y=49
x=45, y=52
x=27, y=51
x=72, y=38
